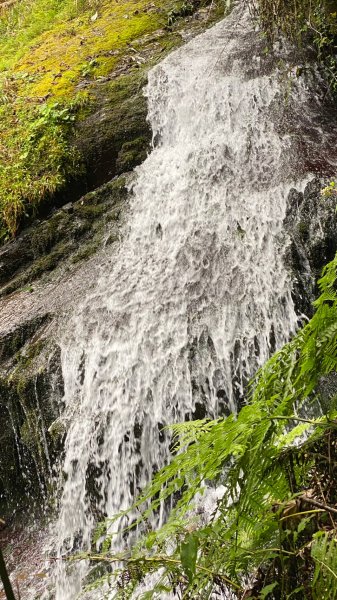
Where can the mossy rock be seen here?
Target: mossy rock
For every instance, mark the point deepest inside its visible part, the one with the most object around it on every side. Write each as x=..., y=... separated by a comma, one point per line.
x=73, y=233
x=71, y=79
x=29, y=404
x=14, y=340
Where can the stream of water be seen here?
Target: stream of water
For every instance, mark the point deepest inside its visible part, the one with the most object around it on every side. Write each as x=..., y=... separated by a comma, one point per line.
x=198, y=294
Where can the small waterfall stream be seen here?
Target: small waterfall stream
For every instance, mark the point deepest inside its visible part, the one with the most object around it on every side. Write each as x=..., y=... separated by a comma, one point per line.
x=197, y=295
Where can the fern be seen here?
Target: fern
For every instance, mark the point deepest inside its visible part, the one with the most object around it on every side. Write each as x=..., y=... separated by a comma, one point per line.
x=324, y=553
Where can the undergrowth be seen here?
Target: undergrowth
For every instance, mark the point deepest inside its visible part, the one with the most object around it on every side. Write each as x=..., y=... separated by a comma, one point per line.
x=310, y=23
x=36, y=158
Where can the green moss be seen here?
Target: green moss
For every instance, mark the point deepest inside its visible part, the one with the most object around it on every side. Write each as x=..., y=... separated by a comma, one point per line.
x=45, y=238
x=13, y=342
x=68, y=236
x=55, y=57
x=90, y=211
x=65, y=54
x=86, y=252
x=56, y=431
x=47, y=49
x=303, y=229
x=25, y=359
x=131, y=153
x=40, y=266
x=51, y=260
x=30, y=431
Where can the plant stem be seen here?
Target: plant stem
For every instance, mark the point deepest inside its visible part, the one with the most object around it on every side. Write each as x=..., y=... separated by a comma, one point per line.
x=5, y=579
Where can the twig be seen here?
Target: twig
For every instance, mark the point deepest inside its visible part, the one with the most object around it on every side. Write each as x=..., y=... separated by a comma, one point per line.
x=5, y=579
x=303, y=512
x=319, y=504
x=326, y=424
x=144, y=559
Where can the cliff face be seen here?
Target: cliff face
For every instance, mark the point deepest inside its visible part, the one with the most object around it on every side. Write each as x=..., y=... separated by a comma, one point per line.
x=48, y=268
x=311, y=223
x=84, y=77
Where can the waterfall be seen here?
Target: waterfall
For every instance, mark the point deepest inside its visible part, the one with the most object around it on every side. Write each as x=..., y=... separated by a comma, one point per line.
x=197, y=295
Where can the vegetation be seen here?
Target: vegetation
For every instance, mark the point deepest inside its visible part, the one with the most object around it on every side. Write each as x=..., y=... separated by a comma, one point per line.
x=330, y=190
x=310, y=23
x=273, y=533
x=53, y=53
x=36, y=157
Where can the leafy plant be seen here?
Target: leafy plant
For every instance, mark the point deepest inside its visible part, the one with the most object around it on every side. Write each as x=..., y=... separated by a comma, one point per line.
x=330, y=190
x=186, y=9
x=310, y=23
x=35, y=159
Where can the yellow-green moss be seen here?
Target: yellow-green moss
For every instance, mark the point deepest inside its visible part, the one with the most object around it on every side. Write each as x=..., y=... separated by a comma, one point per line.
x=91, y=44
x=61, y=59
x=47, y=49
x=53, y=53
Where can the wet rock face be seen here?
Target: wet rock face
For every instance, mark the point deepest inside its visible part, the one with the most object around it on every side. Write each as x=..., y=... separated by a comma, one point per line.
x=311, y=223
x=30, y=391
x=43, y=273
x=116, y=136
x=73, y=234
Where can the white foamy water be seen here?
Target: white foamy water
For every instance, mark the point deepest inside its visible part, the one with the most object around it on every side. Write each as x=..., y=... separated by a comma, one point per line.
x=198, y=294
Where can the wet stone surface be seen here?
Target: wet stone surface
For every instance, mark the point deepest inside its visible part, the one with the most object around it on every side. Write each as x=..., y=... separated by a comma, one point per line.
x=311, y=223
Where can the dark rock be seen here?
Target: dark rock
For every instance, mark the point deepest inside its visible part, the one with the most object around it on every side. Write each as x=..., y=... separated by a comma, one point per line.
x=30, y=390
x=73, y=233
x=116, y=136
x=311, y=222
x=55, y=255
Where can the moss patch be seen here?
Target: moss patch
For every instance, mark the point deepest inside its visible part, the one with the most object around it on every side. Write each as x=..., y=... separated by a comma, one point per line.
x=72, y=234
x=60, y=61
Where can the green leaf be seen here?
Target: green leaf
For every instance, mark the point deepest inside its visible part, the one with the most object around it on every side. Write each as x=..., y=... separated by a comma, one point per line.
x=303, y=523
x=267, y=590
x=188, y=555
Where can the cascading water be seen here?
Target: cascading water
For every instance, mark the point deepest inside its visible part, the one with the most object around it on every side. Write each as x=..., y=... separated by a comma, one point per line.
x=198, y=293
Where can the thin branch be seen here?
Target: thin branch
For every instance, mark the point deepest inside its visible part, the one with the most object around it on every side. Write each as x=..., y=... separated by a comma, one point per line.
x=319, y=504
x=5, y=579
x=304, y=512
x=155, y=559
x=300, y=420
